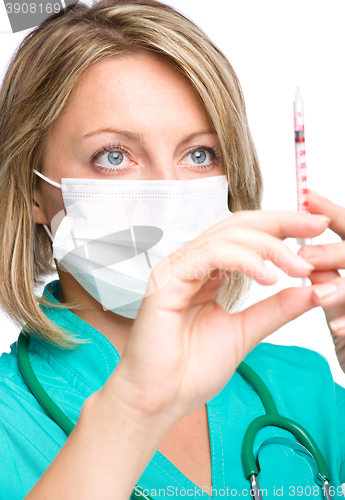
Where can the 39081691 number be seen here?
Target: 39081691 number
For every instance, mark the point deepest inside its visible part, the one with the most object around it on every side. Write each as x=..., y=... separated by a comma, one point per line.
x=313, y=491
x=32, y=8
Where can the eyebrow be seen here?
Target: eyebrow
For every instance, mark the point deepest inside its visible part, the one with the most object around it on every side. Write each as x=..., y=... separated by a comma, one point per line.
x=138, y=137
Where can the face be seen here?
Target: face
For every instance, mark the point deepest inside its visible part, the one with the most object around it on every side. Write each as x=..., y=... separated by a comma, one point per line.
x=130, y=117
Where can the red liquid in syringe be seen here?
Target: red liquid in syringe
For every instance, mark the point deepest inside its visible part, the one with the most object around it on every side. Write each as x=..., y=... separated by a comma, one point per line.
x=301, y=165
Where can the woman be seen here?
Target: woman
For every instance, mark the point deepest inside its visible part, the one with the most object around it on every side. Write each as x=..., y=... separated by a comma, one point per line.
x=129, y=96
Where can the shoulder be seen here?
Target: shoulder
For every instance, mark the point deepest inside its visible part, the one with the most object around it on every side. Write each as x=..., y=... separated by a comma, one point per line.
x=13, y=389
x=9, y=368
x=290, y=365
x=29, y=438
x=280, y=357
x=18, y=406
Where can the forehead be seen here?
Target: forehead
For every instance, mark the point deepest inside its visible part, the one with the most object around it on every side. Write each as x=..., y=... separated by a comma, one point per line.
x=141, y=89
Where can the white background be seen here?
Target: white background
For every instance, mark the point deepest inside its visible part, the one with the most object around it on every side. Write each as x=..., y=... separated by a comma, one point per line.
x=274, y=46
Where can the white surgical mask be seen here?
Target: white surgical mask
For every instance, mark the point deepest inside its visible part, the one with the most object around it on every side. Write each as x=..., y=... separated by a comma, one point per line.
x=116, y=231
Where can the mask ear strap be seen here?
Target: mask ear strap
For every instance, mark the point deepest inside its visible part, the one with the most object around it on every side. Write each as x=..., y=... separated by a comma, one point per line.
x=48, y=232
x=53, y=184
x=56, y=184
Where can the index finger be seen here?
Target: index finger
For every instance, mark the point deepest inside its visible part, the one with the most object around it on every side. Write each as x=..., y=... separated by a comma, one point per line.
x=282, y=224
x=320, y=205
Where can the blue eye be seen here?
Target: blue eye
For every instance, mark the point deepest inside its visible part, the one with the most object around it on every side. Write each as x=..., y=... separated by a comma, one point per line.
x=202, y=157
x=115, y=157
x=110, y=159
x=199, y=156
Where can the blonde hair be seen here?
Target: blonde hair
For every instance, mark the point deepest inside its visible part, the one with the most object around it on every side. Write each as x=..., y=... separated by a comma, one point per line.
x=37, y=88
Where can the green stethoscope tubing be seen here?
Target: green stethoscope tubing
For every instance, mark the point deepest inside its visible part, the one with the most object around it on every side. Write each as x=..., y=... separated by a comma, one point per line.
x=273, y=417
x=250, y=467
x=37, y=390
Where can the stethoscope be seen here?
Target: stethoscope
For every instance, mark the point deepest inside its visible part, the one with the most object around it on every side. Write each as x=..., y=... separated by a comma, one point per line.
x=306, y=445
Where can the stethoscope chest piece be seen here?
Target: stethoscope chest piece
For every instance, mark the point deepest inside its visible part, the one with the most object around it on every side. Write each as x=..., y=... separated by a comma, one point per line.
x=306, y=445
x=321, y=481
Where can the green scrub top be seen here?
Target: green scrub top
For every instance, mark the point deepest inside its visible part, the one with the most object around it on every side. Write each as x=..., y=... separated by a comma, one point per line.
x=299, y=380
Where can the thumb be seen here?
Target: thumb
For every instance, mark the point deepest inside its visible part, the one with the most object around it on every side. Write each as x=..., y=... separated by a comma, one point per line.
x=319, y=277
x=265, y=317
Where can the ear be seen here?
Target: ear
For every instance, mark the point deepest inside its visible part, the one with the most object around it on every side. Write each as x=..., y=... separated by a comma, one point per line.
x=38, y=214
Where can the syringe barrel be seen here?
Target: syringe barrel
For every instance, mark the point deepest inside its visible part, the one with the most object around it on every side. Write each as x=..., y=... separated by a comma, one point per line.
x=301, y=166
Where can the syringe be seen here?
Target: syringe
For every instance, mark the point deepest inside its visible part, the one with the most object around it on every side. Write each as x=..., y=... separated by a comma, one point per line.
x=301, y=165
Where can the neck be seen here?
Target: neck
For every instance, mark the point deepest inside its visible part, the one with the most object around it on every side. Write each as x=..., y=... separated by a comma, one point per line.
x=114, y=327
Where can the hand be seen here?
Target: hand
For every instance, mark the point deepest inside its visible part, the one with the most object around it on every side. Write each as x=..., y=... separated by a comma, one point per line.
x=327, y=259
x=184, y=347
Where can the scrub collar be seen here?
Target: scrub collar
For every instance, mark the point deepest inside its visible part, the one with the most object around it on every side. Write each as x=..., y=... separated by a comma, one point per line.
x=92, y=363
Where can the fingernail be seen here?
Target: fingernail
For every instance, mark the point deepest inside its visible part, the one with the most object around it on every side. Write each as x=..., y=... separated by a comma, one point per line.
x=317, y=195
x=337, y=325
x=303, y=252
x=308, y=252
x=314, y=193
x=304, y=263
x=325, y=290
x=323, y=219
